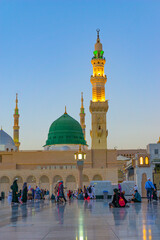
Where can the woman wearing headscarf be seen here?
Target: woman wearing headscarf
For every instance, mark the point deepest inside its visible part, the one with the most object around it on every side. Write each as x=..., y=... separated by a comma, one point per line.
x=37, y=194
x=61, y=192
x=15, y=192
x=24, y=193
x=116, y=197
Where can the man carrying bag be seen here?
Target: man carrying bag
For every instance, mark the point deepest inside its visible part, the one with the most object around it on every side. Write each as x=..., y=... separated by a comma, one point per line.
x=149, y=188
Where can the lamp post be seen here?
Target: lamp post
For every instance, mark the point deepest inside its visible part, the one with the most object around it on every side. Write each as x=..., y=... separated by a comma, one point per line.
x=80, y=156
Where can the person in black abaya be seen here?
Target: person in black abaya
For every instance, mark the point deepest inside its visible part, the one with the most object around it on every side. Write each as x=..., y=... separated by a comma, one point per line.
x=24, y=193
x=15, y=192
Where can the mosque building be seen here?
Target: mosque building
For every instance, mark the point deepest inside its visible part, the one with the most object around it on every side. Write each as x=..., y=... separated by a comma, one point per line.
x=56, y=162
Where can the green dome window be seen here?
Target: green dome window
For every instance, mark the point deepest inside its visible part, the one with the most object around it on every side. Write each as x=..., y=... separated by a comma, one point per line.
x=65, y=130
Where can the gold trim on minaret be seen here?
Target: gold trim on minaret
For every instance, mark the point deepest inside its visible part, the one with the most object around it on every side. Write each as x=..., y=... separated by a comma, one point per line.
x=82, y=117
x=16, y=125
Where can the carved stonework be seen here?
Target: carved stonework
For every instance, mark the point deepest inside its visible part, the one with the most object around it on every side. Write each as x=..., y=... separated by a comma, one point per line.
x=99, y=130
x=98, y=106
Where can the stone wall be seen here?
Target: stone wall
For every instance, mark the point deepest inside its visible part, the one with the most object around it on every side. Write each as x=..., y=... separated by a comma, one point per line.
x=48, y=178
x=45, y=168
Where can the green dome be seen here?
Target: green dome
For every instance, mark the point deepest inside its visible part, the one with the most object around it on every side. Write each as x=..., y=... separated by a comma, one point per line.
x=65, y=130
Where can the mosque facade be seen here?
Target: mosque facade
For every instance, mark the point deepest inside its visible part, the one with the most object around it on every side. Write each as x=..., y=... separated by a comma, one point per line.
x=56, y=162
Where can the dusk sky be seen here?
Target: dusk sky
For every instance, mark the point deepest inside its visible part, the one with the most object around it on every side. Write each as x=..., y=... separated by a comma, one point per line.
x=46, y=48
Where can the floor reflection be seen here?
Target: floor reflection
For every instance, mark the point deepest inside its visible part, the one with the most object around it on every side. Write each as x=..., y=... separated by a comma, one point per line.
x=59, y=213
x=147, y=233
x=14, y=213
x=119, y=215
x=84, y=220
x=24, y=212
x=81, y=233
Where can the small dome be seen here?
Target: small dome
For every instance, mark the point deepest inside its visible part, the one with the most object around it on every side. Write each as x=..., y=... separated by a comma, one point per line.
x=6, y=142
x=65, y=130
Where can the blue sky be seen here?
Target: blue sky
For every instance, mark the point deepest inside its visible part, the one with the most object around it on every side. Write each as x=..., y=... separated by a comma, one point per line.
x=45, y=53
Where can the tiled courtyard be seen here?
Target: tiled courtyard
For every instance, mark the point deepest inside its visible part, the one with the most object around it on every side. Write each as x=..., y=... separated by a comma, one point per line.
x=79, y=220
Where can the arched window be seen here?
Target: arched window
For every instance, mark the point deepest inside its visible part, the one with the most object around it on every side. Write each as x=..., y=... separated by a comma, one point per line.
x=141, y=160
x=146, y=160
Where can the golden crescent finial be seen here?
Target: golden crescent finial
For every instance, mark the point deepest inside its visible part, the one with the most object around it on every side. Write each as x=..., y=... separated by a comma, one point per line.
x=65, y=110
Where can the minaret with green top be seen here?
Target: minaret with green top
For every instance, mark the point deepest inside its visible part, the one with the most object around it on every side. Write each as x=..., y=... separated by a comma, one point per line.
x=98, y=105
x=82, y=117
x=16, y=125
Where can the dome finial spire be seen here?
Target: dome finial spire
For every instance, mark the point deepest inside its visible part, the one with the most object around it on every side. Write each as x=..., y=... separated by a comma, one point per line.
x=81, y=99
x=16, y=100
x=65, y=110
x=97, y=46
x=98, y=30
x=1, y=128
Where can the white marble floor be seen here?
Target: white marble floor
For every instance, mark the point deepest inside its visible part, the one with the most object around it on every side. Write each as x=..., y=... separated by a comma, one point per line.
x=79, y=220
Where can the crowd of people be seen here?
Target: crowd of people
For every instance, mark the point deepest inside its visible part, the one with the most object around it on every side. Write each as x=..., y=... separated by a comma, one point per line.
x=119, y=199
x=87, y=193
x=27, y=193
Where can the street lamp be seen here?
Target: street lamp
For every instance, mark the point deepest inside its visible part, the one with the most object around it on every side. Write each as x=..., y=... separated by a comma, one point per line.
x=80, y=156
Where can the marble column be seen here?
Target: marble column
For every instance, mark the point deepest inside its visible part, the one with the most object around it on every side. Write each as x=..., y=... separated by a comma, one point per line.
x=80, y=173
x=50, y=189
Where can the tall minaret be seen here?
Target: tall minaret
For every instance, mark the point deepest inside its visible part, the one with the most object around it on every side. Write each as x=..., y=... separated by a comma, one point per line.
x=98, y=105
x=82, y=117
x=16, y=125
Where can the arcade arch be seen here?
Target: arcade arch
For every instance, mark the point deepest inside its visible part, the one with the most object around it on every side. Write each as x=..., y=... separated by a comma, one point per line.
x=57, y=178
x=71, y=182
x=97, y=177
x=31, y=180
x=85, y=180
x=44, y=182
x=5, y=185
